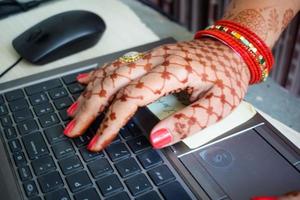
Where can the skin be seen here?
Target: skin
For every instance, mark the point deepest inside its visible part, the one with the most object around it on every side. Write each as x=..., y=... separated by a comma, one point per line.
x=214, y=76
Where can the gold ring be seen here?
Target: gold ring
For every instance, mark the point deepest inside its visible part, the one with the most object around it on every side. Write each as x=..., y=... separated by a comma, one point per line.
x=131, y=56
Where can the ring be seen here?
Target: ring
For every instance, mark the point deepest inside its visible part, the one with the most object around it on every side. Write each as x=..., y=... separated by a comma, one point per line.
x=131, y=56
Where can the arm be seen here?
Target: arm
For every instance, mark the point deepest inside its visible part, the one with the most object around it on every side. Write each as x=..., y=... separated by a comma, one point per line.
x=266, y=18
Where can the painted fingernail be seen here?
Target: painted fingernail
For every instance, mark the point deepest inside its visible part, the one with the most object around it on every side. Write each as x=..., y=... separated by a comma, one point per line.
x=264, y=198
x=72, y=108
x=160, y=138
x=80, y=76
x=69, y=127
x=92, y=142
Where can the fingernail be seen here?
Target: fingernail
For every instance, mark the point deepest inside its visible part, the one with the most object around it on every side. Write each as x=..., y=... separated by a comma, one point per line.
x=80, y=76
x=69, y=127
x=92, y=142
x=72, y=108
x=160, y=138
x=264, y=198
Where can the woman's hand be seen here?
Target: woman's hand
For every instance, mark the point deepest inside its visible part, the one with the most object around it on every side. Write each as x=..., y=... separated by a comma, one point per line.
x=214, y=75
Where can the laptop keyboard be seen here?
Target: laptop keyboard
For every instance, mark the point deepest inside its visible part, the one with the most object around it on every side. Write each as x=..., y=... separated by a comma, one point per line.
x=52, y=167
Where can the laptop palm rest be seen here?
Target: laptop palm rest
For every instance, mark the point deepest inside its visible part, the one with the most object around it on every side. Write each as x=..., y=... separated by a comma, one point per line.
x=241, y=166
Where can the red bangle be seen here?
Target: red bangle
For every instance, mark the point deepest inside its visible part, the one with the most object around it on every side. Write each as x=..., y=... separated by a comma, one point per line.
x=246, y=43
x=253, y=38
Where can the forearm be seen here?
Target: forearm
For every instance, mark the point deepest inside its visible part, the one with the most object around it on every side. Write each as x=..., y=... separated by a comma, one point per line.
x=266, y=18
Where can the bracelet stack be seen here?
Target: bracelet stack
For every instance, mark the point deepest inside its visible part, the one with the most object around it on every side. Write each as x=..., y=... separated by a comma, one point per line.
x=255, y=53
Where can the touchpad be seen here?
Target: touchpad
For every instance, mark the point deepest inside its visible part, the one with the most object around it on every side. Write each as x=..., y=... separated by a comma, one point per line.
x=242, y=166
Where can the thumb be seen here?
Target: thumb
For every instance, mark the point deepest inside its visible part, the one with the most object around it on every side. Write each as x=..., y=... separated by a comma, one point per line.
x=193, y=118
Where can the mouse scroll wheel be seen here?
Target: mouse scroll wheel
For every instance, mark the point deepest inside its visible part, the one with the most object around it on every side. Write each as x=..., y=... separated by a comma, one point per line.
x=34, y=35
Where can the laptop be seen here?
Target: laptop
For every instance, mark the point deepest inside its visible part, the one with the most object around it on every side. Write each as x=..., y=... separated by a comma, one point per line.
x=39, y=162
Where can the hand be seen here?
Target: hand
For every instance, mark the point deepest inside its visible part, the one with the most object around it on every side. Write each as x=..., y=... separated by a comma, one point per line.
x=214, y=75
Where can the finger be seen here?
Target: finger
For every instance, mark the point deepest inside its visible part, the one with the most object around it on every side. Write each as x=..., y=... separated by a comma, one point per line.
x=212, y=107
x=159, y=82
x=84, y=78
x=101, y=90
x=101, y=71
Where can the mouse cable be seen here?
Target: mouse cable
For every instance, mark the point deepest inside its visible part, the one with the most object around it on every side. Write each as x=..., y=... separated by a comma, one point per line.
x=10, y=67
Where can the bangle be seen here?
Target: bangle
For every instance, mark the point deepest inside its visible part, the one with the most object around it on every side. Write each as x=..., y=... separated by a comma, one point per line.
x=251, y=49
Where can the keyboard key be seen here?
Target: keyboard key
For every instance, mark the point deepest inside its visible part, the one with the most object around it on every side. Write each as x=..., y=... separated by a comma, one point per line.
x=120, y=196
x=10, y=132
x=125, y=133
x=64, y=115
x=35, y=145
x=62, y=103
x=38, y=99
x=61, y=194
x=3, y=109
x=133, y=128
x=109, y=185
x=149, y=158
x=24, y=173
x=43, y=109
x=127, y=167
x=6, y=121
x=15, y=145
x=20, y=159
x=174, y=191
x=70, y=164
x=58, y=93
x=70, y=78
x=82, y=140
x=161, y=175
x=88, y=155
x=138, y=144
x=100, y=167
x=138, y=184
x=27, y=127
x=48, y=120
x=149, y=196
x=47, y=85
x=18, y=105
x=78, y=181
x=55, y=134
x=75, y=88
x=63, y=149
x=14, y=95
x=117, y=151
x=30, y=188
x=43, y=165
x=50, y=182
x=89, y=194
x=22, y=115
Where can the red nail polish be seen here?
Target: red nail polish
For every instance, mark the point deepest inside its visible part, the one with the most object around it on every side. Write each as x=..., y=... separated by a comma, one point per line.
x=264, y=198
x=69, y=127
x=72, y=108
x=92, y=142
x=80, y=76
x=160, y=138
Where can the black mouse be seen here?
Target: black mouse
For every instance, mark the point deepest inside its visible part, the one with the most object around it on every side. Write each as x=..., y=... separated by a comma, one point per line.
x=59, y=36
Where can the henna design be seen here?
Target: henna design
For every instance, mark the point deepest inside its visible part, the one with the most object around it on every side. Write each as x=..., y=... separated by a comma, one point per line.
x=195, y=66
x=254, y=20
x=273, y=21
x=287, y=17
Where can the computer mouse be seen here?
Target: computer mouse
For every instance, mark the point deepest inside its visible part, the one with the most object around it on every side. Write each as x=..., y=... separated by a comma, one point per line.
x=59, y=36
